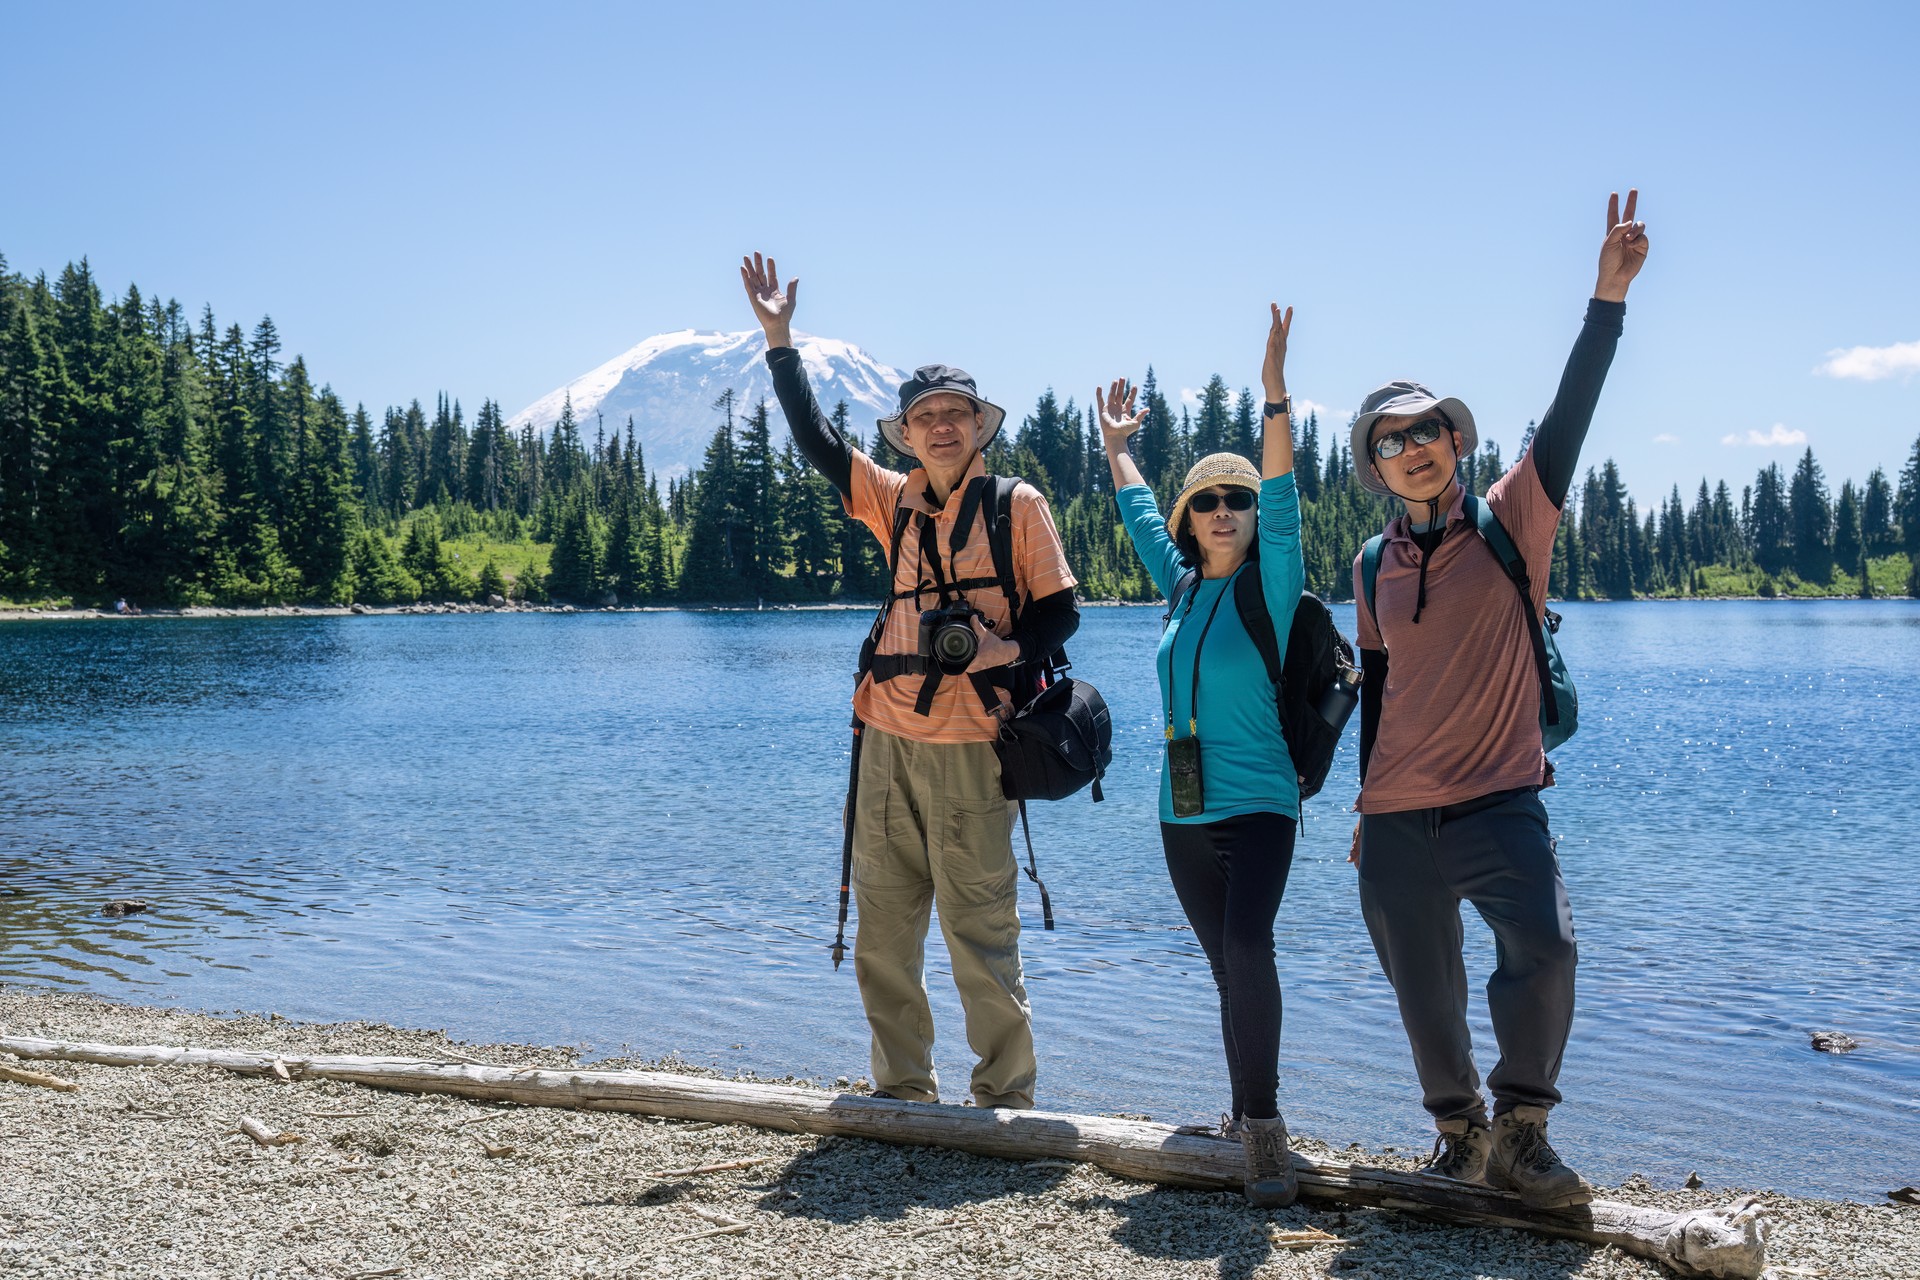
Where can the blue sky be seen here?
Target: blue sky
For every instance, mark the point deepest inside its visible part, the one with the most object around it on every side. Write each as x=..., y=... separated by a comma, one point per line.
x=492, y=199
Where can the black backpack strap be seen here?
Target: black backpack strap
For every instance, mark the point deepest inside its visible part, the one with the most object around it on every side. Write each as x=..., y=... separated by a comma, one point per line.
x=1181, y=587
x=970, y=504
x=1000, y=540
x=1250, y=600
x=1495, y=536
x=1033, y=871
x=901, y=515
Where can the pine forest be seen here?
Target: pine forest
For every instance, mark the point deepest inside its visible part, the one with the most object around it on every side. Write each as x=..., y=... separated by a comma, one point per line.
x=149, y=456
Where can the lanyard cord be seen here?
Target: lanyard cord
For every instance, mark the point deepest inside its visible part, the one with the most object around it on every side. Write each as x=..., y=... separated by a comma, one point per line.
x=1193, y=721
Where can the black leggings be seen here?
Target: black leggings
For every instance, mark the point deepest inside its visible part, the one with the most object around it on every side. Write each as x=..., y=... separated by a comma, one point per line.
x=1230, y=876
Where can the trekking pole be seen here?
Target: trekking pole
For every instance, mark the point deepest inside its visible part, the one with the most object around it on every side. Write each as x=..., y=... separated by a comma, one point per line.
x=846, y=846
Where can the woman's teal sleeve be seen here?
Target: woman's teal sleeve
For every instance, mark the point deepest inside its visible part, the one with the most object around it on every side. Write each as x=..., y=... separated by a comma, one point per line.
x=1283, y=569
x=1153, y=543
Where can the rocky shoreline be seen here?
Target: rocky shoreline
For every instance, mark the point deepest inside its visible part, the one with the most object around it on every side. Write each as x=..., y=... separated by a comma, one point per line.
x=144, y=1172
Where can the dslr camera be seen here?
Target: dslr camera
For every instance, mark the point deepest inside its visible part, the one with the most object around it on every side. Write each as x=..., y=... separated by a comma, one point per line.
x=946, y=636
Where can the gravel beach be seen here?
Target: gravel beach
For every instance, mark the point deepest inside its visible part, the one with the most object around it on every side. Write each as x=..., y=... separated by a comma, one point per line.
x=142, y=1172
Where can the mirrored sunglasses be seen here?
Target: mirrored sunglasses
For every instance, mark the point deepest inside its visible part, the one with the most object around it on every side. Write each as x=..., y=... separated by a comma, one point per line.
x=1236, y=500
x=1394, y=443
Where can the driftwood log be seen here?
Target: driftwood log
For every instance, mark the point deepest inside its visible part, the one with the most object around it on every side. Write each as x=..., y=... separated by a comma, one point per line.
x=1725, y=1242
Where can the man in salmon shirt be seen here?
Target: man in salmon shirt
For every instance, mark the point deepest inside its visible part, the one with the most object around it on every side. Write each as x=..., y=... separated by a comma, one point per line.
x=1451, y=754
x=931, y=825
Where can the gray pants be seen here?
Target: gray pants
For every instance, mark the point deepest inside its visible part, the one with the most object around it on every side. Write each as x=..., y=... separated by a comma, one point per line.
x=1416, y=867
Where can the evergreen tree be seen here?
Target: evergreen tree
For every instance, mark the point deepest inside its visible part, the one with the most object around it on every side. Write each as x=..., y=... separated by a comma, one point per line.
x=1155, y=447
x=379, y=578
x=1213, y=425
x=1245, y=436
x=492, y=582
x=84, y=515
x=1876, y=515
x=1307, y=464
x=1906, y=507
x=365, y=455
x=1810, y=516
x=396, y=463
x=711, y=570
x=759, y=552
x=1849, y=550
x=29, y=381
x=327, y=514
x=446, y=455
x=1044, y=438
x=1769, y=524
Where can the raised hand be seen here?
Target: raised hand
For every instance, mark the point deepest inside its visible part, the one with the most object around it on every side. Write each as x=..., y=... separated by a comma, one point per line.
x=1118, y=421
x=771, y=307
x=1273, y=374
x=1624, y=251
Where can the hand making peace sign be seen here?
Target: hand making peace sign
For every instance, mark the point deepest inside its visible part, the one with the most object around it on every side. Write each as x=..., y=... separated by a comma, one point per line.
x=1624, y=251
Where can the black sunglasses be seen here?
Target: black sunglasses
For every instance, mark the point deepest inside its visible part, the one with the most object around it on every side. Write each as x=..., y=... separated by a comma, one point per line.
x=1236, y=500
x=1394, y=443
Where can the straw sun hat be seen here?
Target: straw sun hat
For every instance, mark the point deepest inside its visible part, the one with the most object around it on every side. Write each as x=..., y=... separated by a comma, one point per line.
x=1215, y=469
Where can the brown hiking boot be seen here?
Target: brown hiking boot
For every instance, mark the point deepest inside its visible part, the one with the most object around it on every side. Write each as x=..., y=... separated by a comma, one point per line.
x=1460, y=1152
x=1271, y=1183
x=1523, y=1163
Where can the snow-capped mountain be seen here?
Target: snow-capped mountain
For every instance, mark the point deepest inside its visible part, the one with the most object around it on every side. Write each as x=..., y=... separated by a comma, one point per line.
x=669, y=383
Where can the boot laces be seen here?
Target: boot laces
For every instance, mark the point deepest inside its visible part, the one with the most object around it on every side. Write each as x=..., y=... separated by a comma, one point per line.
x=1457, y=1152
x=1531, y=1150
x=1269, y=1146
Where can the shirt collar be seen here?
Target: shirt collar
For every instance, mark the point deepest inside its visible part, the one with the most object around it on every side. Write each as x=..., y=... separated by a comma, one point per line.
x=914, y=496
x=1400, y=528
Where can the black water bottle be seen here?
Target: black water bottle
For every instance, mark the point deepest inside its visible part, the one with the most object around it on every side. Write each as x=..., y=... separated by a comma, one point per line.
x=1339, y=698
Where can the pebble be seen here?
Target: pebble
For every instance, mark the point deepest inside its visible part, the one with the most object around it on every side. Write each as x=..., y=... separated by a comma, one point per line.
x=140, y=1174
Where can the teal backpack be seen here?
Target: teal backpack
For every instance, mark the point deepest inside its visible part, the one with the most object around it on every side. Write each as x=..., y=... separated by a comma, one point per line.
x=1559, y=702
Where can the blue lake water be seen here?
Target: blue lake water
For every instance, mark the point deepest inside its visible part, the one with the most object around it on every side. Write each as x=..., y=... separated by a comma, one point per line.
x=623, y=830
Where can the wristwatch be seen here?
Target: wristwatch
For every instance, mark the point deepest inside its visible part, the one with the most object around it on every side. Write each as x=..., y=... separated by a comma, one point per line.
x=1275, y=407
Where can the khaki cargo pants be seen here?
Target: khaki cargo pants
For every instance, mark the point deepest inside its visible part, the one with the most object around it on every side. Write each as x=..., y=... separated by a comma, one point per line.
x=932, y=828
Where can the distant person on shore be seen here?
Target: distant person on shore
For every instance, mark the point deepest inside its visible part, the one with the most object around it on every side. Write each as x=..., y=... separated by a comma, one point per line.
x=1452, y=758
x=931, y=825
x=1229, y=840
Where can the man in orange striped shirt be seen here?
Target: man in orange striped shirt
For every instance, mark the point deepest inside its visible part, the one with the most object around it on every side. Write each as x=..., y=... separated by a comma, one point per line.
x=932, y=826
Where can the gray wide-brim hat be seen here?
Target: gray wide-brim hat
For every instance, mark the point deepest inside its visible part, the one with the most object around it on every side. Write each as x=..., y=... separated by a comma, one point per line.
x=940, y=379
x=1401, y=398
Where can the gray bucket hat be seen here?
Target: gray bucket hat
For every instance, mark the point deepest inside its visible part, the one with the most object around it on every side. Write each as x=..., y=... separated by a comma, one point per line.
x=1401, y=398
x=937, y=379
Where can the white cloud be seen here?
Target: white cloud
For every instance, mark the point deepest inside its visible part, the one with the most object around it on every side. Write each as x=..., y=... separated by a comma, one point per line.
x=1190, y=397
x=1666, y=437
x=1780, y=437
x=1870, y=364
x=1329, y=416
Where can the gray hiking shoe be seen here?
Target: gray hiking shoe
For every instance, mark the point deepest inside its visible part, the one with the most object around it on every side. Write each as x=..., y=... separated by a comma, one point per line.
x=1523, y=1163
x=1461, y=1152
x=1271, y=1183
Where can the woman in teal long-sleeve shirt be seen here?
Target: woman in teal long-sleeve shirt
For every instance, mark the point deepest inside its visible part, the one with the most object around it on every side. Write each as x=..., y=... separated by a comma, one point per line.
x=1229, y=848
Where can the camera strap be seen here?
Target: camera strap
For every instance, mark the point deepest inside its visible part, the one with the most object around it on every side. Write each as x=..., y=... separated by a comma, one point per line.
x=890, y=666
x=1193, y=705
x=951, y=592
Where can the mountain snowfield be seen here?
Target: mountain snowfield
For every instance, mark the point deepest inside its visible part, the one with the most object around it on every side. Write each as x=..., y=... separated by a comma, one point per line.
x=669, y=383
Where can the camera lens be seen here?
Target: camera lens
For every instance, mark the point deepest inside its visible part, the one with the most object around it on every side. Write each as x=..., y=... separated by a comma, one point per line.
x=954, y=645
